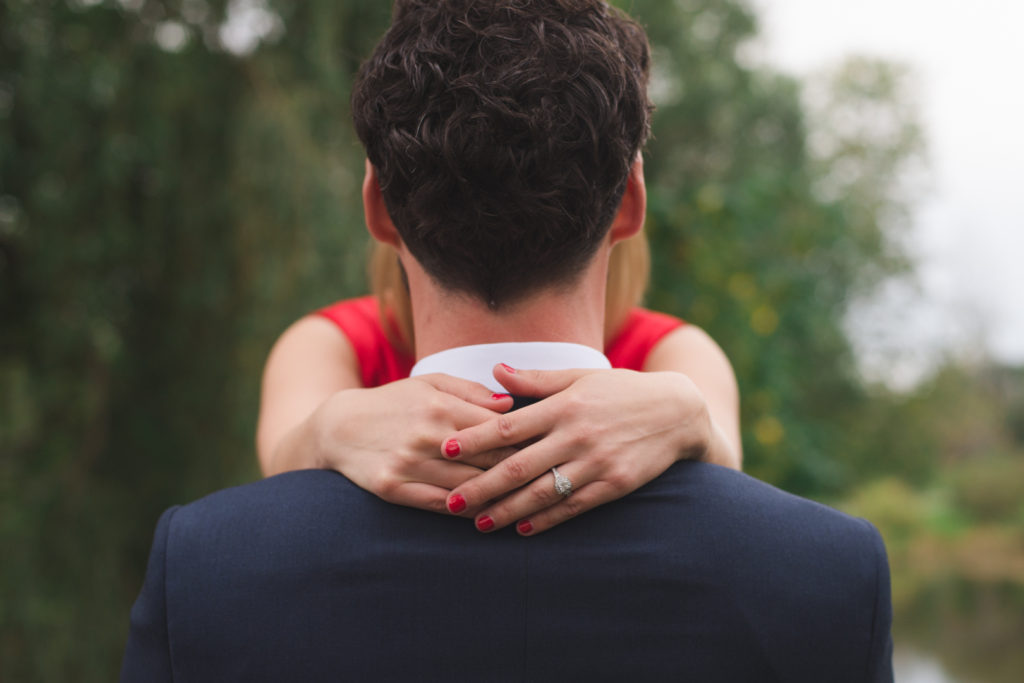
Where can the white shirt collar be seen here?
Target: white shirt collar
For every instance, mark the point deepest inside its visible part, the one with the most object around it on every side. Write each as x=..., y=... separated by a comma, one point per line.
x=476, y=362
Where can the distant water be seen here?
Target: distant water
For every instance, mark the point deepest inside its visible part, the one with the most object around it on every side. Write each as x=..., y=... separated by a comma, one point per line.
x=914, y=667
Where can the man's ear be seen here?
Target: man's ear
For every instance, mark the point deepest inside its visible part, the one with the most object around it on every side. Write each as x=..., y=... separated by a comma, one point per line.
x=378, y=220
x=633, y=210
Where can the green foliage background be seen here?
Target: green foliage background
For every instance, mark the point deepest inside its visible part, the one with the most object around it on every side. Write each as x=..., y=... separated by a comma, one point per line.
x=168, y=206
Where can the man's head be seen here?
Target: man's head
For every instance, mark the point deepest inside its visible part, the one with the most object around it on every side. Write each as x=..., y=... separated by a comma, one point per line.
x=503, y=133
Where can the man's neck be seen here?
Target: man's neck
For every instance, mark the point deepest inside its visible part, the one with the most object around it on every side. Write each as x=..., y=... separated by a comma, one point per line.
x=573, y=314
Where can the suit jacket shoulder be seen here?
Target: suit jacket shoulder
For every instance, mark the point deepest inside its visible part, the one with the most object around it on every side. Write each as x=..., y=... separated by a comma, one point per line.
x=703, y=574
x=147, y=655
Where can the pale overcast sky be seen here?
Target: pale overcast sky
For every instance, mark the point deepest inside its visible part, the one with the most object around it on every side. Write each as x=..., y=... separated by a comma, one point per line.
x=969, y=229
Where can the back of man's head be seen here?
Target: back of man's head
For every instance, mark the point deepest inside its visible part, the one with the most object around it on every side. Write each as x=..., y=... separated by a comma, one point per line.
x=503, y=133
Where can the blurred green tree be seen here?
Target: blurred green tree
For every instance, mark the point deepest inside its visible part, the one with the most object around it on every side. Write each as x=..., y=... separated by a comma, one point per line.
x=117, y=270
x=167, y=204
x=767, y=222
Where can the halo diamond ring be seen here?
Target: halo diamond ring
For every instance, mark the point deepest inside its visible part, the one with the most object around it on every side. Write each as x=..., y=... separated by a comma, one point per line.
x=563, y=486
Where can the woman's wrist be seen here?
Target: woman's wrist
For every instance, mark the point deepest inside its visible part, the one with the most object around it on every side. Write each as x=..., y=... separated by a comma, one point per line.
x=719, y=451
x=307, y=444
x=691, y=417
x=703, y=439
x=325, y=431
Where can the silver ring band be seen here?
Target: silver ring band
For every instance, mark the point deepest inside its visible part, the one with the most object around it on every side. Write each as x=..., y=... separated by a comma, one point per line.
x=563, y=486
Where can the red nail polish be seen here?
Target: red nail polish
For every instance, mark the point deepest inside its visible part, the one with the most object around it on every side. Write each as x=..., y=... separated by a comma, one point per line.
x=485, y=523
x=456, y=504
x=524, y=527
x=509, y=368
x=498, y=397
x=452, y=448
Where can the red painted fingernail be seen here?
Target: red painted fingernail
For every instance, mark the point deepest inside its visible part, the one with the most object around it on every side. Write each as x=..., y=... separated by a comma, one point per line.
x=456, y=504
x=509, y=368
x=452, y=448
x=498, y=397
x=524, y=527
x=485, y=523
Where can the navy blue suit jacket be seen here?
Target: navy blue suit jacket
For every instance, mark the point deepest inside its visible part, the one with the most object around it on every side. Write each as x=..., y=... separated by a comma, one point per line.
x=705, y=574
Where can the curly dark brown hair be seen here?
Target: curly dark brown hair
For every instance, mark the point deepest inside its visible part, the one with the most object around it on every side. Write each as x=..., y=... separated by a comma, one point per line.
x=503, y=132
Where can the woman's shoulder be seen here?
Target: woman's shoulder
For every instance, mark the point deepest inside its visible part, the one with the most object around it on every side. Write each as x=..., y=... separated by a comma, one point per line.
x=361, y=309
x=642, y=330
x=360, y=321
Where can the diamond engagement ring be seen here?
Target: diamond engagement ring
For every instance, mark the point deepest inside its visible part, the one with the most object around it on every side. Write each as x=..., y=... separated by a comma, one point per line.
x=563, y=486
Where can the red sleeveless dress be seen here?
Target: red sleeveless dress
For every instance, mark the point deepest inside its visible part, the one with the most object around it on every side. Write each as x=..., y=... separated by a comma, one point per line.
x=380, y=362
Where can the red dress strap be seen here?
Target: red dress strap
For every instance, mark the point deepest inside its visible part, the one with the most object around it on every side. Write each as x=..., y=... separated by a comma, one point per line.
x=640, y=333
x=379, y=361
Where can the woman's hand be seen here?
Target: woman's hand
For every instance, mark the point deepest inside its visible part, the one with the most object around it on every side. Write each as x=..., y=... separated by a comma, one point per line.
x=608, y=431
x=385, y=439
